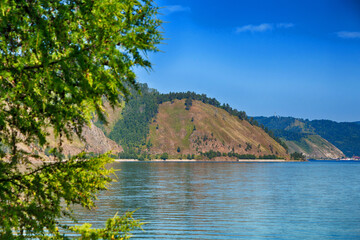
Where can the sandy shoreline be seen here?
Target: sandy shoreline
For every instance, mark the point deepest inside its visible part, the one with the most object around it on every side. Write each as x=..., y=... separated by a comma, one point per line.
x=202, y=161
x=192, y=160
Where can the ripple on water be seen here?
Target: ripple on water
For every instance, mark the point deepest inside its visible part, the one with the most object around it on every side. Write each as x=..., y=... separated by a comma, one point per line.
x=236, y=200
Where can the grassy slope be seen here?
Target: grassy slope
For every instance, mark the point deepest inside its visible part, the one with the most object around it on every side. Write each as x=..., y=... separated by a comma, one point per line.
x=316, y=147
x=215, y=130
x=344, y=135
x=312, y=144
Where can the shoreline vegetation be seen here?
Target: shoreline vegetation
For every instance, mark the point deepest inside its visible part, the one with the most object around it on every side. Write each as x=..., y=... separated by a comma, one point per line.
x=194, y=160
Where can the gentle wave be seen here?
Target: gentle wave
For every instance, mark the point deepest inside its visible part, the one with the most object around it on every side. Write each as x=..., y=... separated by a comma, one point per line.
x=235, y=200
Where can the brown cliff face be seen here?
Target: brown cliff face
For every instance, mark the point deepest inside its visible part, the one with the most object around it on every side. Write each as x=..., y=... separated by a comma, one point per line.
x=204, y=128
x=95, y=142
x=112, y=116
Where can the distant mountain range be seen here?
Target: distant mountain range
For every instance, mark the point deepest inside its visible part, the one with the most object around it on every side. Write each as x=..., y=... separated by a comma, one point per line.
x=305, y=134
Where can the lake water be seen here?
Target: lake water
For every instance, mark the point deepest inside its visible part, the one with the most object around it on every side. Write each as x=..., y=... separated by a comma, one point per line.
x=305, y=200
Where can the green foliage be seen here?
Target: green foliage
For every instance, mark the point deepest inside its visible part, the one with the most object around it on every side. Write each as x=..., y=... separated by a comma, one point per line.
x=115, y=228
x=132, y=154
x=60, y=60
x=164, y=156
x=31, y=202
x=132, y=130
x=248, y=146
x=188, y=103
x=142, y=157
x=242, y=156
x=297, y=156
x=344, y=135
x=268, y=157
x=189, y=96
x=290, y=136
x=212, y=154
x=252, y=121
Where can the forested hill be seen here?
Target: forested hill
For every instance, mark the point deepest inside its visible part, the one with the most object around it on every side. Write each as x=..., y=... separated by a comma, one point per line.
x=131, y=127
x=344, y=136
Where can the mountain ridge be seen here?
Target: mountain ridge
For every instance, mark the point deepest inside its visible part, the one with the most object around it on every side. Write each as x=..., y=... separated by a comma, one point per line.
x=132, y=126
x=344, y=136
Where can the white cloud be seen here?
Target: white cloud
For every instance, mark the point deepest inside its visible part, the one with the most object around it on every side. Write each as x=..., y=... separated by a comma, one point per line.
x=348, y=35
x=175, y=8
x=285, y=25
x=255, y=28
x=263, y=27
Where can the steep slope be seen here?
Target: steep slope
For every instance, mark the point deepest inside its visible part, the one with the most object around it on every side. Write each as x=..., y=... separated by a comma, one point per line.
x=345, y=136
x=131, y=129
x=316, y=147
x=113, y=115
x=302, y=136
x=204, y=127
x=96, y=142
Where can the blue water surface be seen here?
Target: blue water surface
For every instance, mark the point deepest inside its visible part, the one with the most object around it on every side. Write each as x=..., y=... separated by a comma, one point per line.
x=304, y=200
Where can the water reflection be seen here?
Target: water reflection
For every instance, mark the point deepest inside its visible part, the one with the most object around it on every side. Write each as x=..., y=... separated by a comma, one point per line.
x=236, y=200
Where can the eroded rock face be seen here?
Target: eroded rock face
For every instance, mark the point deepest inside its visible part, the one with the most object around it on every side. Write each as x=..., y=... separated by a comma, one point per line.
x=95, y=141
x=328, y=151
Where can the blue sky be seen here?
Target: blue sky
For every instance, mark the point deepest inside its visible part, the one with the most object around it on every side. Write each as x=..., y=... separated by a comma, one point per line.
x=289, y=58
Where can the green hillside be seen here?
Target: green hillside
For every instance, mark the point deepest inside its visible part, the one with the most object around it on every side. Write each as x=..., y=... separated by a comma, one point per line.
x=314, y=146
x=131, y=130
x=133, y=127
x=343, y=136
x=135, y=124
